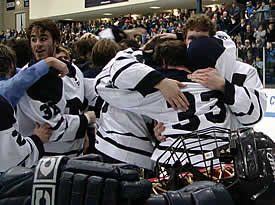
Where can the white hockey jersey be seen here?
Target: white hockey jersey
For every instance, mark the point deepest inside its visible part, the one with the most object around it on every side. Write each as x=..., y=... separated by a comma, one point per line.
x=47, y=102
x=16, y=150
x=243, y=89
x=118, y=87
x=122, y=135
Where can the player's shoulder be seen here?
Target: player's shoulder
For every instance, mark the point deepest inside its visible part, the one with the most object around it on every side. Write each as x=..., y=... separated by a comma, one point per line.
x=225, y=39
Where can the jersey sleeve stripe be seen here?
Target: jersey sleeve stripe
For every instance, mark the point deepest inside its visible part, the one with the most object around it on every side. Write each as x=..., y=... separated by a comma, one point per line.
x=58, y=124
x=121, y=70
x=122, y=146
x=146, y=85
x=38, y=144
x=82, y=127
x=128, y=134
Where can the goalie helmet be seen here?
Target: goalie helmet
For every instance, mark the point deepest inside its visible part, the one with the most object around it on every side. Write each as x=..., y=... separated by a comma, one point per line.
x=237, y=159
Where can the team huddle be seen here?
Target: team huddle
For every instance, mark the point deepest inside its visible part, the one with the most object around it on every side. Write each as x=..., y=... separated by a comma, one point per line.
x=195, y=83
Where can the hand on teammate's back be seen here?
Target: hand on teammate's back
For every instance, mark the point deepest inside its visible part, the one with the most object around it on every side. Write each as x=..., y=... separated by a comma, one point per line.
x=209, y=78
x=43, y=132
x=170, y=89
x=60, y=66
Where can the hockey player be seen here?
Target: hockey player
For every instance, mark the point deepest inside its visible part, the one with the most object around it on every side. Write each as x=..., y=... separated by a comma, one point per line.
x=123, y=136
x=57, y=102
x=15, y=149
x=240, y=82
x=206, y=107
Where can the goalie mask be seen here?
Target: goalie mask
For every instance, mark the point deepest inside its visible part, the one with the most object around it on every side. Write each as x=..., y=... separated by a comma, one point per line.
x=242, y=160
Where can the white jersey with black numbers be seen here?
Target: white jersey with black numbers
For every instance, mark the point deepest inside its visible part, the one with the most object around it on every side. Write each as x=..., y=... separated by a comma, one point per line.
x=243, y=88
x=244, y=92
x=16, y=150
x=123, y=135
x=49, y=105
x=210, y=108
x=206, y=110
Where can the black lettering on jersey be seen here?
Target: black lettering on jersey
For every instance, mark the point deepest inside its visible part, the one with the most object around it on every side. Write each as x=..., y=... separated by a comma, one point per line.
x=238, y=79
x=210, y=116
x=194, y=121
x=49, y=110
x=19, y=139
x=56, y=109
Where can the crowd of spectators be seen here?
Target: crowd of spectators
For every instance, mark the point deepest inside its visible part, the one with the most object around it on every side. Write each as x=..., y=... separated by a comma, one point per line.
x=251, y=26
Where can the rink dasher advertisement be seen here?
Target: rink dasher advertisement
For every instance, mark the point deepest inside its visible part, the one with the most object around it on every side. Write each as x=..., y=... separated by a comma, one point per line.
x=266, y=125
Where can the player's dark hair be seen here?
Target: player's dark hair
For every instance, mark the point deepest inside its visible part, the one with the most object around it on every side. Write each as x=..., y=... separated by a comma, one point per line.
x=173, y=52
x=22, y=50
x=7, y=59
x=83, y=47
x=45, y=25
x=103, y=51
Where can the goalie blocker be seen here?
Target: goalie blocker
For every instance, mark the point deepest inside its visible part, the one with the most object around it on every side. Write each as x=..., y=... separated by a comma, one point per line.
x=78, y=181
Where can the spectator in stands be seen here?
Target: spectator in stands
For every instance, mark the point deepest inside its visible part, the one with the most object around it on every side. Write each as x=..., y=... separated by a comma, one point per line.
x=270, y=56
x=258, y=64
x=242, y=29
x=216, y=20
x=260, y=34
x=209, y=12
x=217, y=11
x=272, y=6
x=263, y=12
x=225, y=22
x=248, y=57
x=240, y=50
x=186, y=14
x=270, y=33
x=248, y=35
x=223, y=8
x=235, y=13
x=257, y=49
x=247, y=47
x=249, y=8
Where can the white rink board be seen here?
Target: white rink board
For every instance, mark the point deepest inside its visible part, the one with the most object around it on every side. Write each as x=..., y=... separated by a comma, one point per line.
x=267, y=124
